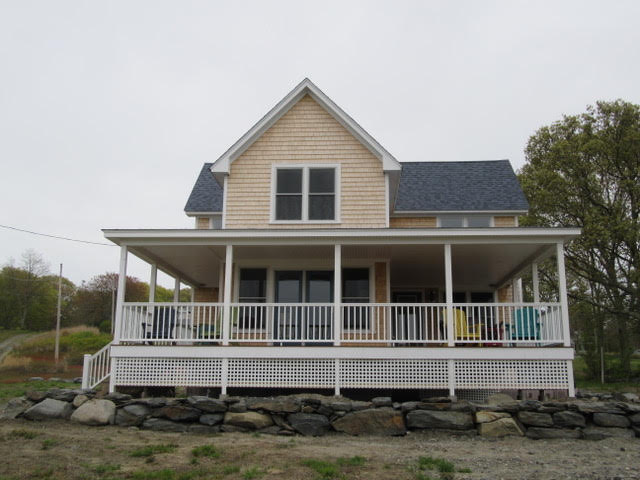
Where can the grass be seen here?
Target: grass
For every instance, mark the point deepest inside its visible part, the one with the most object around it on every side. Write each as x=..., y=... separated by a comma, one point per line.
x=327, y=470
x=6, y=334
x=105, y=468
x=150, y=450
x=74, y=343
x=253, y=472
x=229, y=469
x=47, y=443
x=356, y=461
x=446, y=470
x=208, y=451
x=584, y=382
x=11, y=390
x=22, y=433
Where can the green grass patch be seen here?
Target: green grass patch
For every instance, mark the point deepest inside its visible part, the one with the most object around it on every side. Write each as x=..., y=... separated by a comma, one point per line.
x=150, y=450
x=164, y=474
x=12, y=390
x=325, y=470
x=105, y=468
x=47, y=443
x=464, y=470
x=22, y=433
x=209, y=451
x=440, y=464
x=229, y=469
x=73, y=345
x=253, y=472
x=356, y=461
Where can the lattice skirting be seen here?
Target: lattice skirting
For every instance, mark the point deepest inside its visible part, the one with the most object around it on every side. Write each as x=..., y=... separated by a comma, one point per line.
x=344, y=373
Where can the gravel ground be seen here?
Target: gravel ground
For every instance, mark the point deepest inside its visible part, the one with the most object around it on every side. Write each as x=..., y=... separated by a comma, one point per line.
x=60, y=450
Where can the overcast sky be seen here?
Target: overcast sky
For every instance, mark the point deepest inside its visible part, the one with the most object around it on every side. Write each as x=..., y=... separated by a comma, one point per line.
x=108, y=109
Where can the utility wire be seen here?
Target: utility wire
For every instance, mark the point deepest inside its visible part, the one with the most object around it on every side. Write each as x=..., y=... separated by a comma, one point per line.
x=57, y=236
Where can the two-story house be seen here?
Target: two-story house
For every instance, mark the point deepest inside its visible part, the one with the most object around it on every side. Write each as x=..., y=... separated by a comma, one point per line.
x=319, y=261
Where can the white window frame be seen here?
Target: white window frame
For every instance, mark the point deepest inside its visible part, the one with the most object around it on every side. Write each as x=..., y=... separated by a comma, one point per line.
x=465, y=219
x=305, y=192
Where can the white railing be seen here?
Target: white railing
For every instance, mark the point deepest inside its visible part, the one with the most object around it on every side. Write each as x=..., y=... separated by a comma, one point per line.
x=487, y=324
x=96, y=368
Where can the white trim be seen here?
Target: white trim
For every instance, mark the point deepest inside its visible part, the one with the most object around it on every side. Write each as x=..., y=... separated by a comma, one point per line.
x=305, y=167
x=224, y=202
x=203, y=214
x=431, y=213
x=436, y=353
x=449, y=294
x=386, y=199
x=306, y=87
x=152, y=283
x=122, y=285
x=176, y=289
x=337, y=294
x=228, y=272
x=562, y=294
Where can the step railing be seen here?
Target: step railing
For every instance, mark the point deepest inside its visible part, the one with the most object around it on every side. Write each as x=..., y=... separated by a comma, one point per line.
x=96, y=368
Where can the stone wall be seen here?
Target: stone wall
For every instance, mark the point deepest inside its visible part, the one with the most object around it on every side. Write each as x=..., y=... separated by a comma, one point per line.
x=314, y=415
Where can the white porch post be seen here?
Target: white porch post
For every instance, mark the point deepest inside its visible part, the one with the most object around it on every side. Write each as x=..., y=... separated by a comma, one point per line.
x=228, y=271
x=562, y=293
x=448, y=285
x=122, y=283
x=176, y=290
x=337, y=294
x=536, y=283
x=193, y=294
x=152, y=283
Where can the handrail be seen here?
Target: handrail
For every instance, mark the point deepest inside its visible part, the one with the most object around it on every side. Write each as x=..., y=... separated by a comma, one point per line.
x=96, y=368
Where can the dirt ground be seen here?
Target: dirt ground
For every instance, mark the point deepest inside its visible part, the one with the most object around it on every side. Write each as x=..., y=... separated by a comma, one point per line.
x=60, y=450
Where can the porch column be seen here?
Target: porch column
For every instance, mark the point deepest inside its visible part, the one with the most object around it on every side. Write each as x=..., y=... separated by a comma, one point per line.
x=152, y=283
x=122, y=284
x=228, y=271
x=337, y=294
x=448, y=285
x=536, y=283
x=176, y=290
x=193, y=294
x=562, y=294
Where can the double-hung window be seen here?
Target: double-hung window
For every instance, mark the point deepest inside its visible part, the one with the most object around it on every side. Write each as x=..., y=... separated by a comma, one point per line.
x=305, y=194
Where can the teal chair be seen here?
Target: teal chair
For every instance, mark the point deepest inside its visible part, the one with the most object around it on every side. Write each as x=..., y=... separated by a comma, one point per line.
x=525, y=324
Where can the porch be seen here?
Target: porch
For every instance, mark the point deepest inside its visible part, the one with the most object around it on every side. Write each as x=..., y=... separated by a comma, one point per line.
x=427, y=309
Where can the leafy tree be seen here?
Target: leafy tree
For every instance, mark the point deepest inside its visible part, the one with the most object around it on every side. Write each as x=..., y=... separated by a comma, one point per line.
x=584, y=170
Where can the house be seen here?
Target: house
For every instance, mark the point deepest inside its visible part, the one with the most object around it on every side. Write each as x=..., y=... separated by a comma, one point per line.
x=319, y=261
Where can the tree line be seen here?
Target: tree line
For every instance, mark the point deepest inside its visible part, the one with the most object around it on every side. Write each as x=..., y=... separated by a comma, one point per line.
x=29, y=296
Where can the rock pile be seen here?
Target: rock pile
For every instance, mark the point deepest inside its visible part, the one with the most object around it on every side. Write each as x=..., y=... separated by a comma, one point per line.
x=316, y=415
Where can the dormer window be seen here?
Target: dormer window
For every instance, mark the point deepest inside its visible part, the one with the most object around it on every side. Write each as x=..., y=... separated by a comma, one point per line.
x=459, y=221
x=305, y=193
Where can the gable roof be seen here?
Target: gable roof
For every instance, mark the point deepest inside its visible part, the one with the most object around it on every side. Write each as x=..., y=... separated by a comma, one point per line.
x=459, y=186
x=306, y=87
x=206, y=195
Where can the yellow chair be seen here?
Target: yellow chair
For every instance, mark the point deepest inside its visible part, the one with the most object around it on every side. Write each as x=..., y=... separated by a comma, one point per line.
x=462, y=328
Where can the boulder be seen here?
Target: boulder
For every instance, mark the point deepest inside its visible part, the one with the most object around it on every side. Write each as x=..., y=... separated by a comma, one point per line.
x=627, y=397
x=360, y=405
x=437, y=419
x=275, y=405
x=611, y=420
x=600, y=433
x=248, y=420
x=151, y=402
x=434, y=406
x=568, y=419
x=211, y=419
x=535, y=419
x=382, y=402
x=95, y=412
x=596, y=407
x=500, y=428
x=79, y=400
x=207, y=404
x=14, y=408
x=118, y=398
x=436, y=400
x=374, y=421
x=77, y=380
x=529, y=405
x=635, y=419
x=309, y=424
x=62, y=394
x=132, y=415
x=486, y=417
x=36, y=395
x=162, y=425
x=178, y=413
x=498, y=398
x=538, y=433
x=340, y=406
x=463, y=406
x=49, y=408
x=408, y=406
x=203, y=429
x=238, y=407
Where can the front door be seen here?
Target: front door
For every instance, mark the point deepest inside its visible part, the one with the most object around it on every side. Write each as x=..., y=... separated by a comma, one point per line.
x=288, y=321
x=408, y=323
x=319, y=320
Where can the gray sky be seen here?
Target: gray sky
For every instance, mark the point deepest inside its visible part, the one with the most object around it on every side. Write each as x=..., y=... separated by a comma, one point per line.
x=109, y=109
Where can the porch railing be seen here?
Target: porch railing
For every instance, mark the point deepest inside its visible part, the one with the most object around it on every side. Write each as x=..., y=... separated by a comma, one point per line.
x=384, y=324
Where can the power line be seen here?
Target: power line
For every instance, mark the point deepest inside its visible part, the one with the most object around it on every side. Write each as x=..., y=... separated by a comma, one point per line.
x=57, y=236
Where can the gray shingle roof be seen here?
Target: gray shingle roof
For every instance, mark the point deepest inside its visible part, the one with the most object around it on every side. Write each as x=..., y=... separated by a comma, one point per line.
x=206, y=195
x=459, y=186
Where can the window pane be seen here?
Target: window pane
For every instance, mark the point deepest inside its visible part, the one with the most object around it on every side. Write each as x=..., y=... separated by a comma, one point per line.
x=322, y=180
x=355, y=283
x=252, y=283
x=289, y=180
x=288, y=207
x=320, y=287
x=321, y=207
x=479, y=221
x=451, y=221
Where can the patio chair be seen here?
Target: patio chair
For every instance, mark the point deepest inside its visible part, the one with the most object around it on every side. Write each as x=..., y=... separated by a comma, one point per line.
x=525, y=324
x=164, y=321
x=462, y=328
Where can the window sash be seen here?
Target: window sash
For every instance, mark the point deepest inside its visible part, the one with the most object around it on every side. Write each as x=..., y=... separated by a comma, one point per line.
x=312, y=206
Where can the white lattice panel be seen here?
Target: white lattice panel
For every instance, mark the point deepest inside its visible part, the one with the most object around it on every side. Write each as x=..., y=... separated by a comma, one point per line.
x=193, y=372
x=393, y=373
x=511, y=374
x=281, y=372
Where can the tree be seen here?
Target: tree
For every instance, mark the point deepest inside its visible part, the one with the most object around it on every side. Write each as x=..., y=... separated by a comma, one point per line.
x=584, y=170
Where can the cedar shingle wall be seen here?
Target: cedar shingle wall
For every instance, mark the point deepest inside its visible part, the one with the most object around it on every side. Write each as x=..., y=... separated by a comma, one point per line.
x=306, y=134
x=413, y=222
x=203, y=223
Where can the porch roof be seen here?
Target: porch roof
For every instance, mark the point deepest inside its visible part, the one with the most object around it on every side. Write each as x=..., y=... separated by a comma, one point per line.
x=485, y=257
